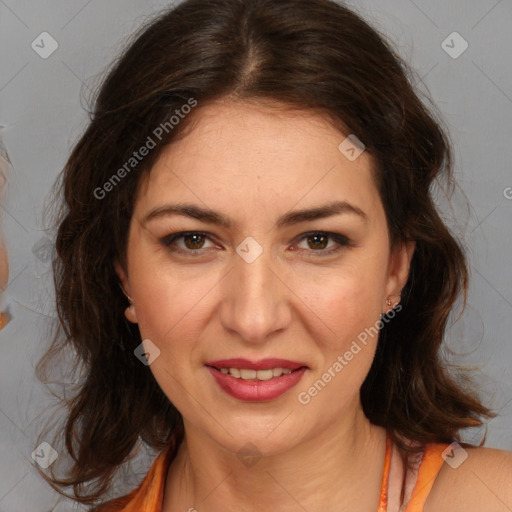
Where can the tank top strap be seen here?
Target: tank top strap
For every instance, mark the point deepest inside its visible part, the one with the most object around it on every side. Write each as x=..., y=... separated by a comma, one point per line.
x=431, y=464
x=416, y=484
x=383, y=501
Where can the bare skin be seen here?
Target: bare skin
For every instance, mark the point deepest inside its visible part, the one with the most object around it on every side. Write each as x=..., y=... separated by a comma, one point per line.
x=253, y=165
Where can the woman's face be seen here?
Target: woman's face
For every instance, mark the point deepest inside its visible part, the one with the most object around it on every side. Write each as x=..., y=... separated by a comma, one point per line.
x=263, y=284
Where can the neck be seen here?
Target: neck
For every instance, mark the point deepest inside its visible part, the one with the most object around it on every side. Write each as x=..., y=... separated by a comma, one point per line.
x=339, y=469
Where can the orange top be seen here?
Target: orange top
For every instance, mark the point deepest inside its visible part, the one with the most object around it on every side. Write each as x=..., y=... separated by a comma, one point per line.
x=148, y=497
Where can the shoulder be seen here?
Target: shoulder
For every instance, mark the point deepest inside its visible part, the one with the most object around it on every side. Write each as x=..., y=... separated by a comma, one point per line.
x=482, y=481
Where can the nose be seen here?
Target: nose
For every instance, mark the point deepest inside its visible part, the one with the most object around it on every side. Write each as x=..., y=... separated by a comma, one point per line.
x=255, y=300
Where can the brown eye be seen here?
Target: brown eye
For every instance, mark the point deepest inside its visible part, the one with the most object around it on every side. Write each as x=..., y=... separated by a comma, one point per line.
x=318, y=241
x=193, y=242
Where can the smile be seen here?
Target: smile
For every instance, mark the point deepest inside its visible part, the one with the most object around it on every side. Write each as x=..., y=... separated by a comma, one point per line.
x=256, y=381
x=246, y=374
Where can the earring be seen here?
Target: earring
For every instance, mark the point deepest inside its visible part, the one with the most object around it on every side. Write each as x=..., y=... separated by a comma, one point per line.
x=130, y=308
x=130, y=314
x=388, y=302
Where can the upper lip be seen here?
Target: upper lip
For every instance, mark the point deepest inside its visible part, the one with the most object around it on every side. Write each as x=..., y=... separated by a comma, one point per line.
x=262, y=364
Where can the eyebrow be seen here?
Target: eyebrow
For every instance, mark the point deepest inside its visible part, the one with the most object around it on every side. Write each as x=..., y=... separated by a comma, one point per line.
x=295, y=217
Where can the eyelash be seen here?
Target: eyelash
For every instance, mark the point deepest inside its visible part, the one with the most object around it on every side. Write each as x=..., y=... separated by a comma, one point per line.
x=342, y=241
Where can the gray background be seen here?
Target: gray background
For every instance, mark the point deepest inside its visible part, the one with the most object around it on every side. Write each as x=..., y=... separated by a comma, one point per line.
x=41, y=112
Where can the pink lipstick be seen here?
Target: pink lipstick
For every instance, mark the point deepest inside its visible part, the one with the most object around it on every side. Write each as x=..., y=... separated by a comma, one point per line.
x=256, y=381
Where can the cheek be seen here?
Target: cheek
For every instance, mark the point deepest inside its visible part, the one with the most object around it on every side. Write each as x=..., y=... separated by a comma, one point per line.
x=154, y=289
x=164, y=311
x=167, y=315
x=171, y=307
x=343, y=302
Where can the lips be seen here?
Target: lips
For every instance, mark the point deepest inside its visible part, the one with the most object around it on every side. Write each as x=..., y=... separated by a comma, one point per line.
x=256, y=381
x=263, y=364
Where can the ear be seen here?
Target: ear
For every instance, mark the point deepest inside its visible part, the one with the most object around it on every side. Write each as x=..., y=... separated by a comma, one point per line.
x=130, y=313
x=398, y=269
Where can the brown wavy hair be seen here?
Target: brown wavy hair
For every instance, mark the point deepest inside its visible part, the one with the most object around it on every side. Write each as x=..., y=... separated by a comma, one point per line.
x=312, y=55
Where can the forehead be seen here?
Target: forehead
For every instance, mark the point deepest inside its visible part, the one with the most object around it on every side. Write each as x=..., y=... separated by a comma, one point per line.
x=237, y=153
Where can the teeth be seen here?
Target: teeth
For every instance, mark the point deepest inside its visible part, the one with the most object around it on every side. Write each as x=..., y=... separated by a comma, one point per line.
x=245, y=374
x=265, y=374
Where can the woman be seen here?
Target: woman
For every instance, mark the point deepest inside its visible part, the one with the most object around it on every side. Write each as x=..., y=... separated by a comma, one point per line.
x=256, y=280
x=4, y=259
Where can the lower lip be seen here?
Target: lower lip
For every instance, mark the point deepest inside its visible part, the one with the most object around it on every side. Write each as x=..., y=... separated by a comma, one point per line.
x=257, y=390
